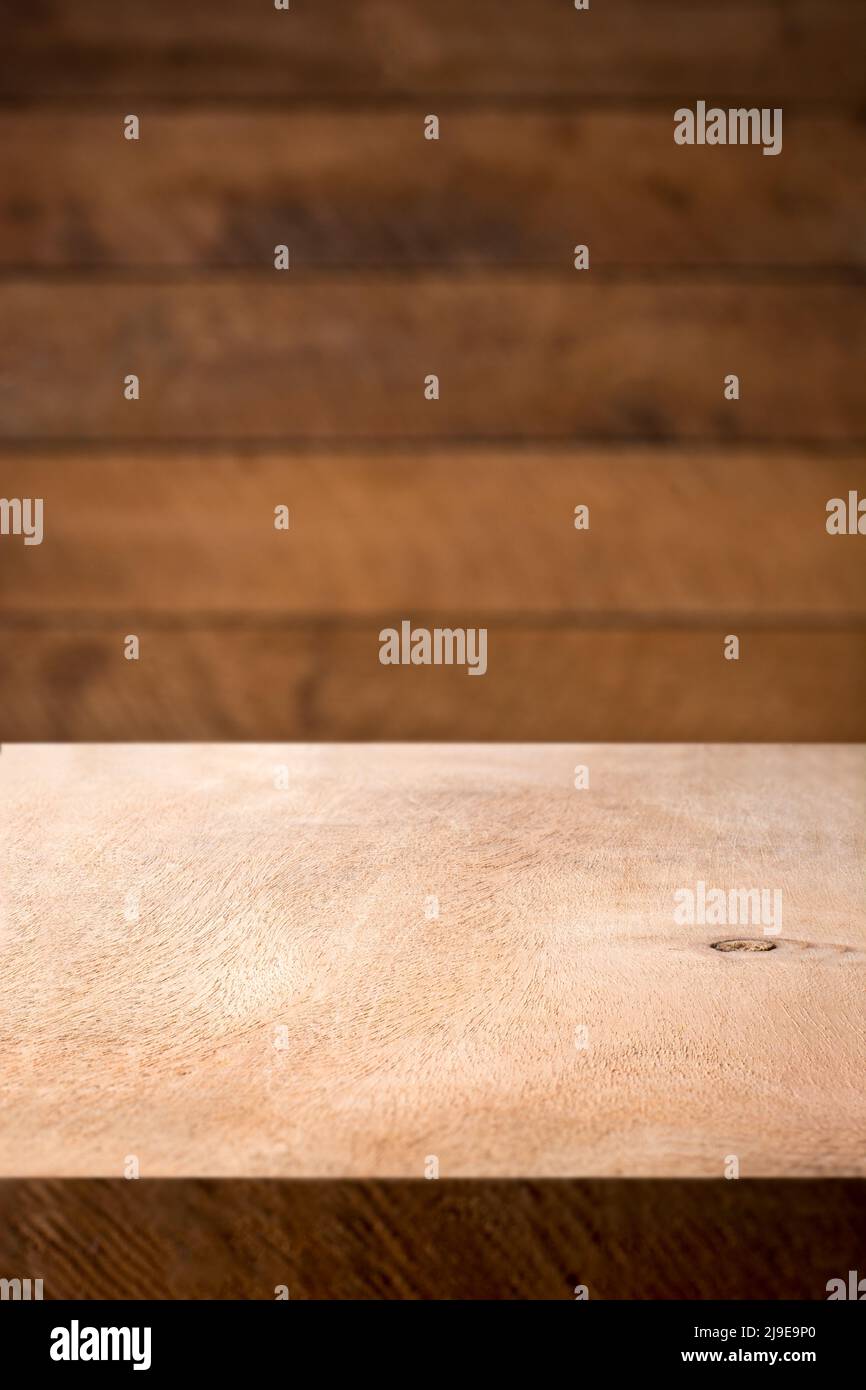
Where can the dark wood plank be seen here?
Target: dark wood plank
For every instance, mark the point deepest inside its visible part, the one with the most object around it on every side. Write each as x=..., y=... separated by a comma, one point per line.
x=678, y=532
x=517, y=356
x=797, y=51
x=288, y=681
x=365, y=190
x=626, y=1239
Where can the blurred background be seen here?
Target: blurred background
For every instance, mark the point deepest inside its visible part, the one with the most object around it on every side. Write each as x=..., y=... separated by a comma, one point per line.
x=411, y=257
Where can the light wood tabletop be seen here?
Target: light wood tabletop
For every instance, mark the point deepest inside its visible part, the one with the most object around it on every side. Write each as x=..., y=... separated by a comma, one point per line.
x=346, y=960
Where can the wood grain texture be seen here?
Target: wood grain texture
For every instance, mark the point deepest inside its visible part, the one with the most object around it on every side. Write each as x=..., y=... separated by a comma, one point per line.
x=135, y=532
x=280, y=1004
x=409, y=258
x=194, y=1238
x=795, y=51
x=322, y=680
x=347, y=358
x=364, y=189
x=673, y=531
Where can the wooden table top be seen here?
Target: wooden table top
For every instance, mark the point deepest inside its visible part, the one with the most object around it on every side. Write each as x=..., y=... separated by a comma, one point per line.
x=348, y=960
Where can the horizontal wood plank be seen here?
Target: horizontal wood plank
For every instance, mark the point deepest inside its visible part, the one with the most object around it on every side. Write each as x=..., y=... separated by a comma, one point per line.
x=752, y=49
x=391, y=953
x=715, y=533
x=70, y=681
x=638, y=1238
x=516, y=356
x=365, y=189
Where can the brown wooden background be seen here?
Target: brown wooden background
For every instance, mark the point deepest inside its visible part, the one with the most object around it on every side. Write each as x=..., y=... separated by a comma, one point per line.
x=409, y=257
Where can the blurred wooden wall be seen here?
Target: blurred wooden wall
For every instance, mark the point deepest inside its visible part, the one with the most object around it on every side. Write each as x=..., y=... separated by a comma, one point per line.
x=411, y=257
